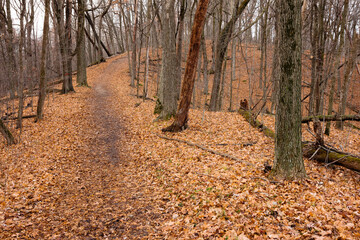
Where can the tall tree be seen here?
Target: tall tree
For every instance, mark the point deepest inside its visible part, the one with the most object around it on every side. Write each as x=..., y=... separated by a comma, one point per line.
x=288, y=163
x=81, y=78
x=67, y=83
x=21, y=65
x=42, y=91
x=190, y=69
x=170, y=74
x=351, y=61
x=9, y=39
x=220, y=52
x=134, y=47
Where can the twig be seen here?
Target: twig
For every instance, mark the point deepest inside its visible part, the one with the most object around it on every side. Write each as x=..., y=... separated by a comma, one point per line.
x=236, y=144
x=205, y=149
x=315, y=153
x=326, y=165
x=14, y=118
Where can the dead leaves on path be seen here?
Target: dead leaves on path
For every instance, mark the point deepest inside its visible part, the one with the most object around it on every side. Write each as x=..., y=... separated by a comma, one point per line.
x=55, y=184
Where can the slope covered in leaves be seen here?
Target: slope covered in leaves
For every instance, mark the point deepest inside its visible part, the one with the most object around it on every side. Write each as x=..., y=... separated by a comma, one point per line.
x=96, y=167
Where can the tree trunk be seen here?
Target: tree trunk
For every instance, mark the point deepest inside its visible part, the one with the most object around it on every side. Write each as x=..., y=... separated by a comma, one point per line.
x=349, y=67
x=81, y=78
x=288, y=163
x=67, y=84
x=134, y=46
x=21, y=65
x=9, y=39
x=205, y=66
x=311, y=150
x=233, y=72
x=190, y=69
x=6, y=133
x=221, y=48
x=169, y=78
x=42, y=91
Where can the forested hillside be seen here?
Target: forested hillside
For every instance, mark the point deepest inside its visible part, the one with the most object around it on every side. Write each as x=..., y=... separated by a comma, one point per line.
x=179, y=119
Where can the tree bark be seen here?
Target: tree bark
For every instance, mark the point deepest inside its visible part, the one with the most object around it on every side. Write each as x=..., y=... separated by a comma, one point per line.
x=349, y=67
x=21, y=65
x=288, y=163
x=221, y=48
x=81, y=78
x=170, y=74
x=9, y=39
x=67, y=84
x=134, y=46
x=190, y=69
x=6, y=133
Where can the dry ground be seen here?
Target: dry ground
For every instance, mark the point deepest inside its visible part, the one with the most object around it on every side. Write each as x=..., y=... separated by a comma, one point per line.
x=95, y=168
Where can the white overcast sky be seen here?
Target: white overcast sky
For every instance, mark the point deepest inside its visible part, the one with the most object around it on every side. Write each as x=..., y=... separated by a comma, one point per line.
x=39, y=15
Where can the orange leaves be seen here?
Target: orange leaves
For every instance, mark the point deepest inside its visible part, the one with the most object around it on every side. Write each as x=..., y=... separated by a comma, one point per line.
x=94, y=168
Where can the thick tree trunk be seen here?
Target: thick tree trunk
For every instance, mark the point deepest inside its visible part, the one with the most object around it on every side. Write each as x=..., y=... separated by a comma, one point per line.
x=170, y=74
x=288, y=163
x=81, y=78
x=42, y=85
x=67, y=84
x=190, y=69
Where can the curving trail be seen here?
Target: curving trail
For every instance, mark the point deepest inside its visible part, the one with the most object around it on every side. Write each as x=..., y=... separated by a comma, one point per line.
x=83, y=176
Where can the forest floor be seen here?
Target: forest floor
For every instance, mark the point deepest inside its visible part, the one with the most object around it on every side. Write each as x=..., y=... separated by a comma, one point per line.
x=96, y=168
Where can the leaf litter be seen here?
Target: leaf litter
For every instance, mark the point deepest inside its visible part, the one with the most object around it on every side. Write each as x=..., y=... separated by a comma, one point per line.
x=95, y=168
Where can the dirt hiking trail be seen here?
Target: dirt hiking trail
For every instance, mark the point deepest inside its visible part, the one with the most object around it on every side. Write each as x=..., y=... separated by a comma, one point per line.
x=93, y=185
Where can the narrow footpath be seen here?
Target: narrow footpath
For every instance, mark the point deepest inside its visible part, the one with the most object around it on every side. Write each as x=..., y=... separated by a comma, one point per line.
x=80, y=176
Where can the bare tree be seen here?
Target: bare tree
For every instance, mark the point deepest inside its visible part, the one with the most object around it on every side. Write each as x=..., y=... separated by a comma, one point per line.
x=190, y=69
x=220, y=53
x=81, y=78
x=42, y=84
x=288, y=161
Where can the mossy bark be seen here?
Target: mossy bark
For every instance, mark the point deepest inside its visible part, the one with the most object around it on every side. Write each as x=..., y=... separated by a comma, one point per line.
x=256, y=124
x=331, y=156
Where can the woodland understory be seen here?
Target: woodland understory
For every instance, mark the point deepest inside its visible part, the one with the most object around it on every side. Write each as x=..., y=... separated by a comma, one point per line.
x=179, y=119
x=68, y=178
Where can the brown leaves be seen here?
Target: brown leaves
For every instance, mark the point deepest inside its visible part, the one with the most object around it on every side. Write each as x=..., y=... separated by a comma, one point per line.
x=94, y=169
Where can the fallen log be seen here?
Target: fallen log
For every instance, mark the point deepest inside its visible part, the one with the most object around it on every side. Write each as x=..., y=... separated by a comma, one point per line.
x=256, y=124
x=311, y=150
x=23, y=117
x=328, y=118
x=331, y=156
